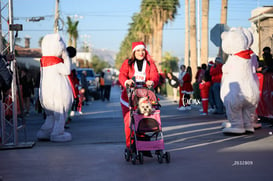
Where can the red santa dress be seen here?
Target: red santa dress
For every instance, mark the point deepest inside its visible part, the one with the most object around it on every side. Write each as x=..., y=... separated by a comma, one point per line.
x=185, y=89
x=128, y=71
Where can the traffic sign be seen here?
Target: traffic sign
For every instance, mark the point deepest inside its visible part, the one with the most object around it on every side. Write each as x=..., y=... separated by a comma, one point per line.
x=215, y=33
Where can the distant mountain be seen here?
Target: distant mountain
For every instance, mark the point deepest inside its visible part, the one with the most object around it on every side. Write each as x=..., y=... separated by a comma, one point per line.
x=106, y=55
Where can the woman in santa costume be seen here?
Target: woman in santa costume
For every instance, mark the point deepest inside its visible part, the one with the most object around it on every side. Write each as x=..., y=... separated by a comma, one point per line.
x=143, y=70
x=185, y=89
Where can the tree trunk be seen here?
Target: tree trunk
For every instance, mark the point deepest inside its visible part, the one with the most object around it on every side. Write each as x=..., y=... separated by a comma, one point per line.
x=157, y=26
x=204, y=32
x=158, y=46
x=151, y=44
x=74, y=44
x=224, y=12
x=193, y=48
x=70, y=40
x=186, y=54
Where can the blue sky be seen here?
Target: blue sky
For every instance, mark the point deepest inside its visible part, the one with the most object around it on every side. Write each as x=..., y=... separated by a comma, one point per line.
x=104, y=23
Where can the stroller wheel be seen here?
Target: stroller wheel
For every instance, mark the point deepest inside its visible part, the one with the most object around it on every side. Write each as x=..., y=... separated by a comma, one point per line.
x=140, y=158
x=168, y=157
x=160, y=156
x=134, y=158
x=127, y=154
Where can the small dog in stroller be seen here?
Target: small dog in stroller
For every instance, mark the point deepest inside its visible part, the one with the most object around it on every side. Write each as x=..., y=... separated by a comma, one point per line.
x=144, y=106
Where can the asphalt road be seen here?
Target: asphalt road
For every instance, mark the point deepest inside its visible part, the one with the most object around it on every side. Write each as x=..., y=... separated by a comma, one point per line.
x=199, y=150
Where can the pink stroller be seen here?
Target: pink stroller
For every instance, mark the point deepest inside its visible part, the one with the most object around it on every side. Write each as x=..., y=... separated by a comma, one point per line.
x=146, y=132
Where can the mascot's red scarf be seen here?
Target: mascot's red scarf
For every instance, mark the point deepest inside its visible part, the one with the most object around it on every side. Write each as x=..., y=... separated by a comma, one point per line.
x=47, y=61
x=244, y=54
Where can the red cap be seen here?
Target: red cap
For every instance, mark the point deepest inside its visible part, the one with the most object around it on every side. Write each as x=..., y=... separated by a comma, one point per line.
x=211, y=63
x=138, y=45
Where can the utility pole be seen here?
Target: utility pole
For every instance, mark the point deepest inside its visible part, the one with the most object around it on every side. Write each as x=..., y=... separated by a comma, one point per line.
x=56, y=24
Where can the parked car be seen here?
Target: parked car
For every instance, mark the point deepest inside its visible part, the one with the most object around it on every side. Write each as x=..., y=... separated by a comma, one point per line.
x=93, y=84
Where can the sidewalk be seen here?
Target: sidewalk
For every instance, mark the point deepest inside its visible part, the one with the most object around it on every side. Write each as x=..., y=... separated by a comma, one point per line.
x=199, y=150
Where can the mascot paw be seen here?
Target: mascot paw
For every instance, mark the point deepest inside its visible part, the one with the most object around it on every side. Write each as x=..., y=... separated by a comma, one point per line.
x=234, y=131
x=65, y=137
x=250, y=130
x=43, y=135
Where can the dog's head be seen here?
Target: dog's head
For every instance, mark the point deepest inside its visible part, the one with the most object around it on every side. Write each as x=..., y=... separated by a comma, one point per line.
x=144, y=106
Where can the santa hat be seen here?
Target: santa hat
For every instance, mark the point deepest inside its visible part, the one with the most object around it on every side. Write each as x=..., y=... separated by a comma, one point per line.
x=210, y=63
x=138, y=45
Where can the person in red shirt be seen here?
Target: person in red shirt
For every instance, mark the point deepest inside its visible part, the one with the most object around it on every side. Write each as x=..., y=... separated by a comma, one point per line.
x=141, y=68
x=216, y=76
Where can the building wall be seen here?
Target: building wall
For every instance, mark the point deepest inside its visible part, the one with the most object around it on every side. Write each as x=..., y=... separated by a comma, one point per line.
x=84, y=55
x=262, y=17
x=267, y=33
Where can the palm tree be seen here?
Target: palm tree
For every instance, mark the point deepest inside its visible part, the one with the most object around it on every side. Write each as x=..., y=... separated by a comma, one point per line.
x=141, y=28
x=193, y=48
x=147, y=26
x=205, y=23
x=72, y=32
x=158, y=12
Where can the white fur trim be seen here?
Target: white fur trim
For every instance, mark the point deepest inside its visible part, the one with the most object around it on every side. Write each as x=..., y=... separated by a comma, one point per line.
x=138, y=47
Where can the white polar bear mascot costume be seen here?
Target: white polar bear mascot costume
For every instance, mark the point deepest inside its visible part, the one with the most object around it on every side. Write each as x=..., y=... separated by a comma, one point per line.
x=56, y=94
x=239, y=88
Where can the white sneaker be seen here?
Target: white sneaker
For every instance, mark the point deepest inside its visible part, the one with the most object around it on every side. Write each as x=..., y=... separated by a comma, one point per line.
x=80, y=112
x=234, y=130
x=182, y=108
x=203, y=114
